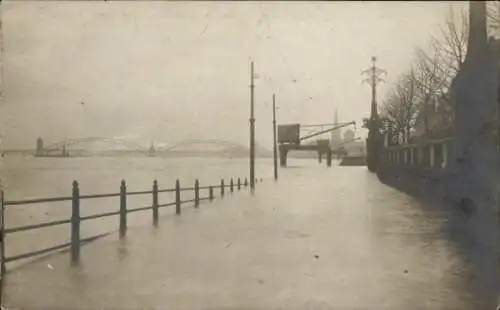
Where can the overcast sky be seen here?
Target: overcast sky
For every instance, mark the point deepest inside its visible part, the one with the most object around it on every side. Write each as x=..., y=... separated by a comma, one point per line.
x=168, y=71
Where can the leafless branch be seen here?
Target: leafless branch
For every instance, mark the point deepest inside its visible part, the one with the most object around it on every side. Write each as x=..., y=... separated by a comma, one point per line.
x=493, y=11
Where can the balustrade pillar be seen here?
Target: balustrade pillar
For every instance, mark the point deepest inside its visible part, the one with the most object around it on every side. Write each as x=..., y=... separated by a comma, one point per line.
x=432, y=155
x=420, y=153
x=444, y=164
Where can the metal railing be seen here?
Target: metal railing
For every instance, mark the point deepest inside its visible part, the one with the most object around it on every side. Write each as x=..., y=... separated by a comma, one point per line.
x=75, y=220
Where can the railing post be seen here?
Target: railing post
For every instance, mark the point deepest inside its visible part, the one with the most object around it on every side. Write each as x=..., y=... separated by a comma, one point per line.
x=177, y=197
x=232, y=185
x=75, y=224
x=222, y=187
x=123, y=209
x=155, y=202
x=239, y=184
x=196, y=193
x=246, y=182
x=210, y=193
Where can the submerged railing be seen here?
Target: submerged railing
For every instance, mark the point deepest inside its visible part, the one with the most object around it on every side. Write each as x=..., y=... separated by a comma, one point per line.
x=75, y=220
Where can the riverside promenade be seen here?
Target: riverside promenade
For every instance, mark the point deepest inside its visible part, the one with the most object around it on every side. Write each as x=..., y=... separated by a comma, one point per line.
x=316, y=239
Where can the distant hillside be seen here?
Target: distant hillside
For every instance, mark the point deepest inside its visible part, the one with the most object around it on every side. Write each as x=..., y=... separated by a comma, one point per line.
x=262, y=151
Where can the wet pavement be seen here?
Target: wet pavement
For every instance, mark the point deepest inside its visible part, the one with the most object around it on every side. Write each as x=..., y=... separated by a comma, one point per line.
x=318, y=239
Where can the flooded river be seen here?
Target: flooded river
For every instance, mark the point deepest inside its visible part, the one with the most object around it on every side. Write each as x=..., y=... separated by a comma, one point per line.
x=28, y=177
x=319, y=238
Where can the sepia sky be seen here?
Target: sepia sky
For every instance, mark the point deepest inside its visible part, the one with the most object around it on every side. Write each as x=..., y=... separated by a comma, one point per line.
x=168, y=71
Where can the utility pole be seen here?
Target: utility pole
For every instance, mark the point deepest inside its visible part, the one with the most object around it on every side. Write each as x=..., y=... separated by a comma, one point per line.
x=275, y=147
x=2, y=85
x=374, y=123
x=252, y=129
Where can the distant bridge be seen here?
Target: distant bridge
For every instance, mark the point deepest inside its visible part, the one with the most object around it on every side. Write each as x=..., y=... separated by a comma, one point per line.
x=57, y=146
x=223, y=146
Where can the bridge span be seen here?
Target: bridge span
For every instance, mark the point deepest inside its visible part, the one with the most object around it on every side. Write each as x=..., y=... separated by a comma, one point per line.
x=189, y=145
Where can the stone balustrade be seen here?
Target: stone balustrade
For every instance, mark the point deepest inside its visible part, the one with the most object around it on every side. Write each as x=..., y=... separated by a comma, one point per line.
x=427, y=155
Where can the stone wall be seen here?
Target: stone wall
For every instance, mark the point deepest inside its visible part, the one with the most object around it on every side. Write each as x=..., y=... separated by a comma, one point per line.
x=424, y=171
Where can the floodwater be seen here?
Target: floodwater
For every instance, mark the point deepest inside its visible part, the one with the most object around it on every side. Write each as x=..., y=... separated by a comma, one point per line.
x=26, y=177
x=318, y=238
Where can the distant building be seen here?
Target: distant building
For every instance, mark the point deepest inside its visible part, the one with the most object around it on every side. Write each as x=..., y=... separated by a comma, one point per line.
x=352, y=146
x=355, y=147
x=349, y=135
x=39, y=146
x=336, y=135
x=152, y=150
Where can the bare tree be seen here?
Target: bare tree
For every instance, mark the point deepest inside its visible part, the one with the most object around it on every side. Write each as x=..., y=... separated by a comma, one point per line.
x=449, y=50
x=401, y=106
x=430, y=81
x=493, y=11
x=421, y=97
x=435, y=70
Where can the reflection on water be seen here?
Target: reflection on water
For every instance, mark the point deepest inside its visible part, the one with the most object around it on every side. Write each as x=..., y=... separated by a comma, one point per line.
x=122, y=249
x=33, y=177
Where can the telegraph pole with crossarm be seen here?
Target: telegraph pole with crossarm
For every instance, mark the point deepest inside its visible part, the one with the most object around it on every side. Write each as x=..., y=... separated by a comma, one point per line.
x=252, y=128
x=372, y=143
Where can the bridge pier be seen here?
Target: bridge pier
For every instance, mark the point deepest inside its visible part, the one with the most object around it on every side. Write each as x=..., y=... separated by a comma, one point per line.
x=39, y=147
x=283, y=155
x=328, y=157
x=320, y=149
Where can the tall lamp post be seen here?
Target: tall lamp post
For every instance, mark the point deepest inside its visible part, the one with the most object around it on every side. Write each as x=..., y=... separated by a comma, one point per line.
x=252, y=129
x=373, y=79
x=275, y=147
